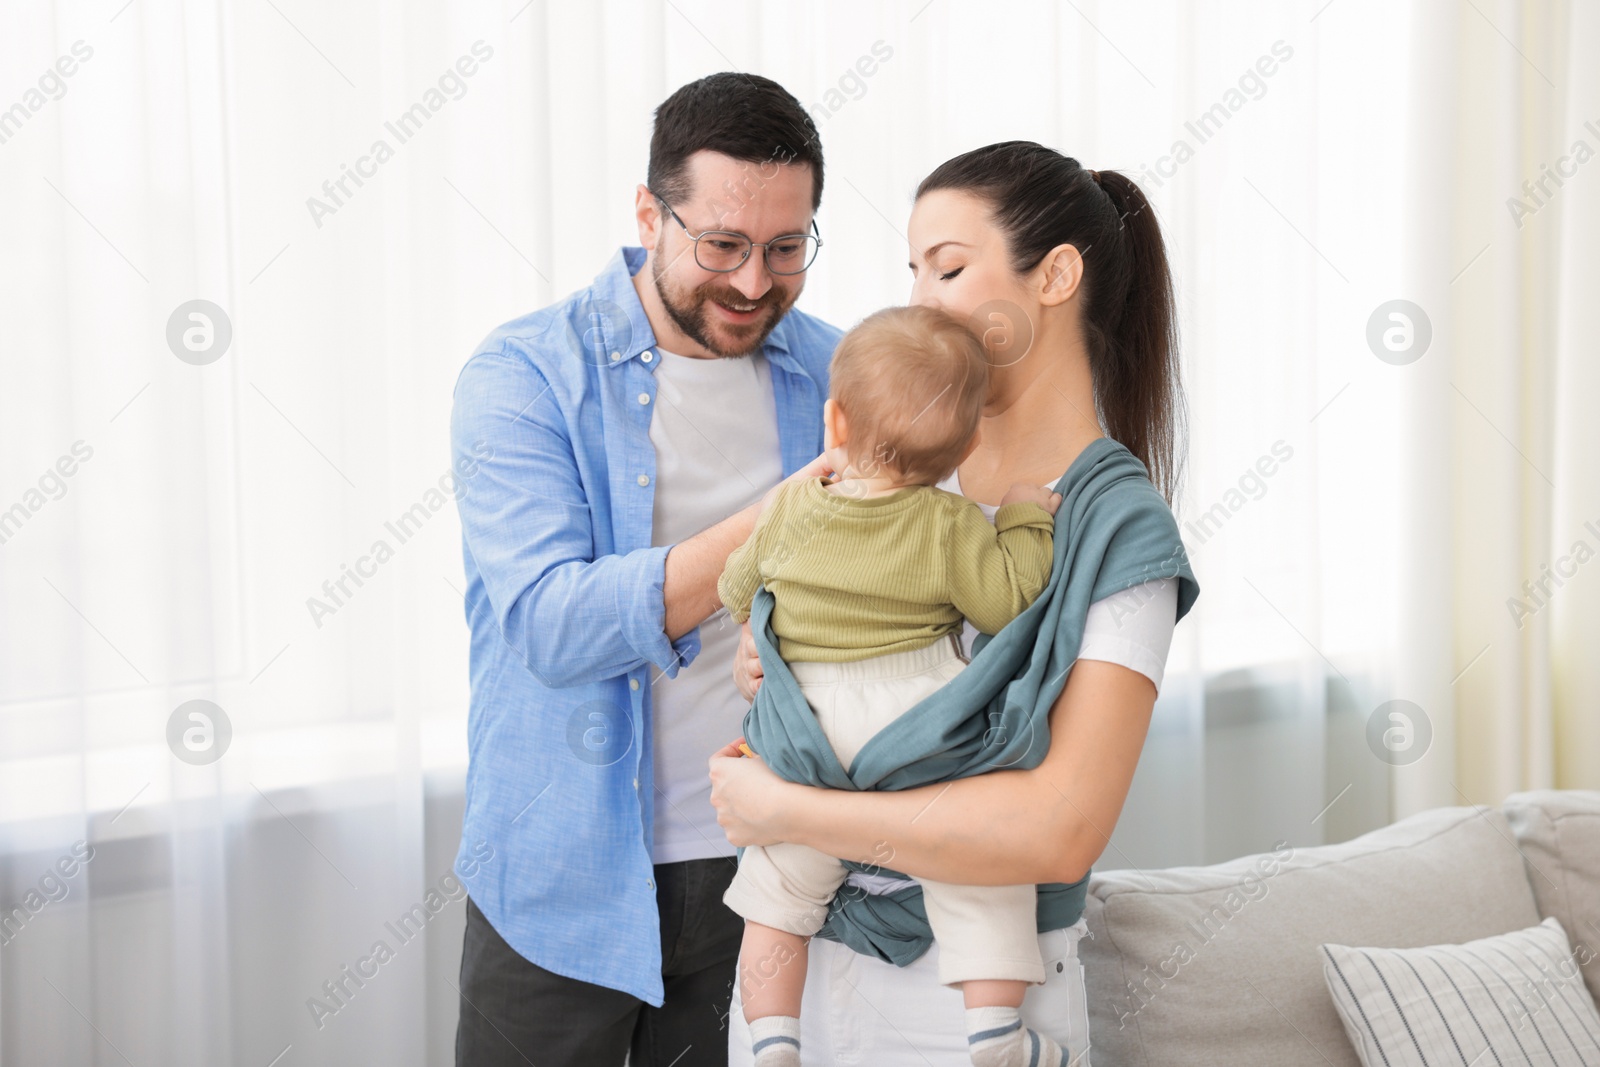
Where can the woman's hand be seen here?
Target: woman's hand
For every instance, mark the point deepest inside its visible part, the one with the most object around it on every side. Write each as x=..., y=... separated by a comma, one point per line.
x=748, y=797
x=747, y=664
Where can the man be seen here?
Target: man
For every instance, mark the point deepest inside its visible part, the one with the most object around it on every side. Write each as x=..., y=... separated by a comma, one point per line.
x=623, y=440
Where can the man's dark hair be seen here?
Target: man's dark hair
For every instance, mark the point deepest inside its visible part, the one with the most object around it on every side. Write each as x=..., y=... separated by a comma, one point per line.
x=743, y=116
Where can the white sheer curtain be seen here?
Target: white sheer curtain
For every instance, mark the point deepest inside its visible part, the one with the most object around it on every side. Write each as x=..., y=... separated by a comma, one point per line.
x=1339, y=156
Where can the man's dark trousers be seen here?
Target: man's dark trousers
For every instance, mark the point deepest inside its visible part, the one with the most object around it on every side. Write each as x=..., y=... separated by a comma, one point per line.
x=516, y=1013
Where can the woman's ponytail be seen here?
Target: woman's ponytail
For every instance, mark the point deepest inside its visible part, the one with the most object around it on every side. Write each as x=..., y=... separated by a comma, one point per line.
x=1135, y=363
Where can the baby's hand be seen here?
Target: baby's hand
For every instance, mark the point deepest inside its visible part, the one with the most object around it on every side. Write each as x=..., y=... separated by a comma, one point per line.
x=1032, y=494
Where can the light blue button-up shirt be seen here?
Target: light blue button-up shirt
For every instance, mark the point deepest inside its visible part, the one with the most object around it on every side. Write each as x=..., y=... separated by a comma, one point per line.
x=550, y=434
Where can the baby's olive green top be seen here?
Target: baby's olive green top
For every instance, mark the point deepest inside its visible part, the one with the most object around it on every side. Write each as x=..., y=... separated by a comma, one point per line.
x=858, y=577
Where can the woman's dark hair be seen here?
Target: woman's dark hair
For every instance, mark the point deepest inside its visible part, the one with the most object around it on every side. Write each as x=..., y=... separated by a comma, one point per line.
x=1042, y=199
x=744, y=116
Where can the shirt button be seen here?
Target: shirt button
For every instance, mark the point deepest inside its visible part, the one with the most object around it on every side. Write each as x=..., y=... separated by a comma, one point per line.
x=650, y=882
x=633, y=683
x=644, y=479
x=636, y=783
x=644, y=398
x=648, y=356
x=615, y=356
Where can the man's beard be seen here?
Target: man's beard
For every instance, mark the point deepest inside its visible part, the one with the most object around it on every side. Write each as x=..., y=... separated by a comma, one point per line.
x=692, y=317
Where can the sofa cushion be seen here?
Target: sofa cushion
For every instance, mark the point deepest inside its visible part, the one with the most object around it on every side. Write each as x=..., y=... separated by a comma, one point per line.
x=1221, y=964
x=1516, y=996
x=1558, y=831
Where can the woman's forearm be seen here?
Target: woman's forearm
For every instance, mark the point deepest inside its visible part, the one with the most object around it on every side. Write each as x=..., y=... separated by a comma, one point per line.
x=941, y=831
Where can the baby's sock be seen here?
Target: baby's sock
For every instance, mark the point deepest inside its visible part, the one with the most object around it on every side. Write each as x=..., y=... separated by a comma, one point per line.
x=997, y=1038
x=775, y=1039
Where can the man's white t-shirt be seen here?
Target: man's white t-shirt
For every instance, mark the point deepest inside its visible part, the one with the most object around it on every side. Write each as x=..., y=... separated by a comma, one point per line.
x=715, y=432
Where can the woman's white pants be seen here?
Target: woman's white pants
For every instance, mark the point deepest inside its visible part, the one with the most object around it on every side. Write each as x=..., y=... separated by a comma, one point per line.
x=860, y=1010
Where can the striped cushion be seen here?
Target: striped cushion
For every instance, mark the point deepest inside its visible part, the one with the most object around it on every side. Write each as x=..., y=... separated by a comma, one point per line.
x=1517, y=998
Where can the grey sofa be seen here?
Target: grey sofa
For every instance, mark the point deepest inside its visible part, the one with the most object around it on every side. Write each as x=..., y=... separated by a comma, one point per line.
x=1219, y=964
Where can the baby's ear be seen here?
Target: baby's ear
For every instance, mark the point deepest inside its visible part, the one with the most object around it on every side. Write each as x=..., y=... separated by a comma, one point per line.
x=834, y=428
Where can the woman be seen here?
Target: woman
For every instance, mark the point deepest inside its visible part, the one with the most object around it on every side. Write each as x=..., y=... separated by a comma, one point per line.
x=1064, y=272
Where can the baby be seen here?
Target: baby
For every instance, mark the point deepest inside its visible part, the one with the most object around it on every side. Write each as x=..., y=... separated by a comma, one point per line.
x=871, y=577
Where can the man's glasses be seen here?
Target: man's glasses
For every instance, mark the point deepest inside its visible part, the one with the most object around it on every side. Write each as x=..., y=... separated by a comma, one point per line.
x=722, y=251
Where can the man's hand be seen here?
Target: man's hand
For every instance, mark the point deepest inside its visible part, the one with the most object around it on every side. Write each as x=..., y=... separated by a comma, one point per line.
x=1032, y=494
x=829, y=464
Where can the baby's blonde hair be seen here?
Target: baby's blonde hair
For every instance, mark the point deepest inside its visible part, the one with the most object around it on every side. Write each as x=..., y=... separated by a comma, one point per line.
x=912, y=382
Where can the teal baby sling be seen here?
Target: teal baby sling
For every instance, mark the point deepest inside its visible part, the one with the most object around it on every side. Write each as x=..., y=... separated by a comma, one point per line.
x=1113, y=530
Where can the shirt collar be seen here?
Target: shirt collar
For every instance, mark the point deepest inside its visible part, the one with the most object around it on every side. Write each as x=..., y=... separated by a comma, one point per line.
x=629, y=333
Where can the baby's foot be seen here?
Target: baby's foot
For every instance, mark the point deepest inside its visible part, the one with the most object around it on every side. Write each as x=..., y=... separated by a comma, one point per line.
x=997, y=1038
x=775, y=1040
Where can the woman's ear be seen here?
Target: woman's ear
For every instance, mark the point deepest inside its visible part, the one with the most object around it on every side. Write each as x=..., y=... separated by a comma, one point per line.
x=1060, y=273
x=648, y=214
